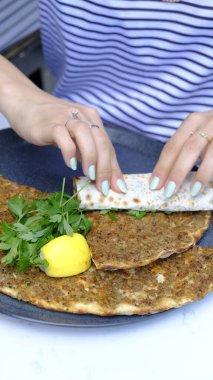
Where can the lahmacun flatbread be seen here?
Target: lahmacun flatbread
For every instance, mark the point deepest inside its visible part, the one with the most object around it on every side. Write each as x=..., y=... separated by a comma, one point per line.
x=160, y=286
x=127, y=242
x=130, y=243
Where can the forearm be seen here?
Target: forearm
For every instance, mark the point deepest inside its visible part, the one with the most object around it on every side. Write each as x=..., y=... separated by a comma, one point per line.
x=41, y=119
x=15, y=89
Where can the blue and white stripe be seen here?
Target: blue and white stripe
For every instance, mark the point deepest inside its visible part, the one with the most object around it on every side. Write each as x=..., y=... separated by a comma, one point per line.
x=17, y=20
x=143, y=64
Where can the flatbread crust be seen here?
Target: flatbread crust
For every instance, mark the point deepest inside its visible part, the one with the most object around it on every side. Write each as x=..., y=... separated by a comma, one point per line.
x=160, y=286
x=130, y=243
x=140, y=197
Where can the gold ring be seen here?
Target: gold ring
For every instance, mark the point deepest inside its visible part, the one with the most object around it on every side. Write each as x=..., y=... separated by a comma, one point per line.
x=202, y=134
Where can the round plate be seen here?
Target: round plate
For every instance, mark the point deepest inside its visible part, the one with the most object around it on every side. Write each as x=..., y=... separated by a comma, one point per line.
x=24, y=310
x=43, y=168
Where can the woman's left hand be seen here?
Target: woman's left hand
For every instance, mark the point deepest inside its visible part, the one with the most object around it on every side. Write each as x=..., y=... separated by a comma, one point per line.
x=192, y=141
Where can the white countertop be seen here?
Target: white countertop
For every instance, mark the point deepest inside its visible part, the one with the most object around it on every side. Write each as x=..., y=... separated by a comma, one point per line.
x=175, y=345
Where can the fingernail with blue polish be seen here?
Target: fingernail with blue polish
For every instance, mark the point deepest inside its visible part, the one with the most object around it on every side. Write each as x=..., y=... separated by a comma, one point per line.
x=170, y=189
x=154, y=183
x=73, y=163
x=105, y=188
x=196, y=188
x=91, y=172
x=121, y=185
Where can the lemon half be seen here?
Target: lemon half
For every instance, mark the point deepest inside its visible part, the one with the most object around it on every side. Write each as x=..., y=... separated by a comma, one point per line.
x=66, y=255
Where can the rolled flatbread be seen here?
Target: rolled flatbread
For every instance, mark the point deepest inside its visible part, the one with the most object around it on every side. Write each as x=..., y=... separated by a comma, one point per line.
x=140, y=197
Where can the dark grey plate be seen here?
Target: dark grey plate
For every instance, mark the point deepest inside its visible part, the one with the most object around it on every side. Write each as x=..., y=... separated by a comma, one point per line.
x=44, y=169
x=24, y=310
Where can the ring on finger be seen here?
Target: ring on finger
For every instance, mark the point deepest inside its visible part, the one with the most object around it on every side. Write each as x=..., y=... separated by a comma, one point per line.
x=94, y=126
x=74, y=116
x=202, y=134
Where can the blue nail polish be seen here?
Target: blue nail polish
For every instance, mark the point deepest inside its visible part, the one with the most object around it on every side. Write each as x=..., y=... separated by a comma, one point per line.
x=121, y=185
x=73, y=163
x=105, y=188
x=91, y=172
x=196, y=188
x=154, y=183
x=170, y=189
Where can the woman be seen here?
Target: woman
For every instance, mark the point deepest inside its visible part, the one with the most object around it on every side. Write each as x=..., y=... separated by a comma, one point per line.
x=144, y=65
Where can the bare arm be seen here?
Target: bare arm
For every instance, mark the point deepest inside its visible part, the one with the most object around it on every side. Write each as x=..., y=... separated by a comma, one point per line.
x=43, y=119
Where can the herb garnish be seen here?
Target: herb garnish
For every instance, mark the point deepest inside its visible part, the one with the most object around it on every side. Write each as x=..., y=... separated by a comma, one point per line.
x=111, y=213
x=137, y=214
x=36, y=223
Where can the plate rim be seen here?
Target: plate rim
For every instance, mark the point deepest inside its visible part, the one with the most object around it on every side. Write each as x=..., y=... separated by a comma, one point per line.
x=23, y=310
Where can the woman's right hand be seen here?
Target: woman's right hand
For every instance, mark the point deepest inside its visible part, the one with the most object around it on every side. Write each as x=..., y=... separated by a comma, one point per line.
x=43, y=119
x=49, y=120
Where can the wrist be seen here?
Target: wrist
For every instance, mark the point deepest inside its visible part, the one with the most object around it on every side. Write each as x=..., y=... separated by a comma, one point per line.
x=15, y=88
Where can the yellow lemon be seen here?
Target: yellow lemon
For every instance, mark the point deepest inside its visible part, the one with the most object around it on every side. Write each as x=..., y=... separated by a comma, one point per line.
x=66, y=255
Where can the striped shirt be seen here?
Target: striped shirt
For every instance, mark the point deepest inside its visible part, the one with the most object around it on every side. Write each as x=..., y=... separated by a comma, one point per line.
x=17, y=20
x=145, y=65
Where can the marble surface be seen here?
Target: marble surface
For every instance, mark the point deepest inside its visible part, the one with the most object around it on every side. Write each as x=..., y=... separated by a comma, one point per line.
x=175, y=345
x=172, y=345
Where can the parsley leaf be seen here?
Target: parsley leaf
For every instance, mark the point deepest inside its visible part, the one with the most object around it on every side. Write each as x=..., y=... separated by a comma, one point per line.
x=111, y=213
x=19, y=207
x=67, y=228
x=137, y=214
x=36, y=223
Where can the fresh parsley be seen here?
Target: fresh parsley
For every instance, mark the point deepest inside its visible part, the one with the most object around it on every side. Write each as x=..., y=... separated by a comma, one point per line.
x=36, y=223
x=137, y=214
x=111, y=213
